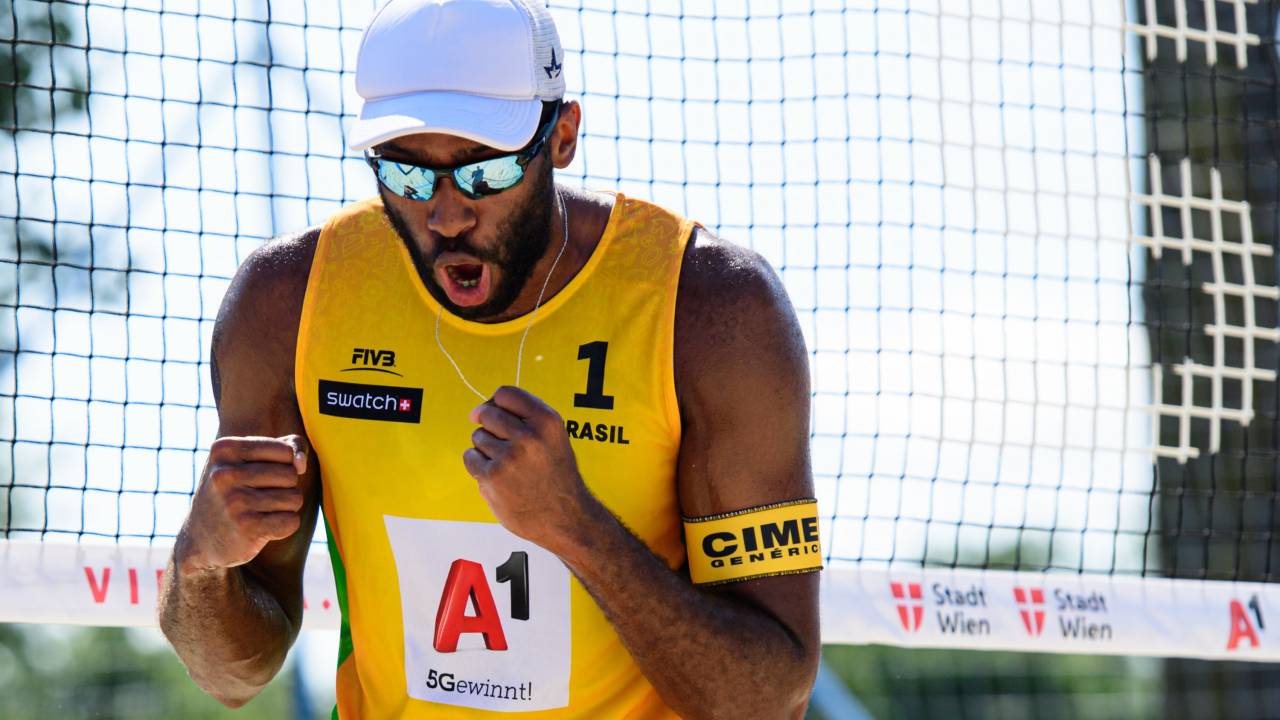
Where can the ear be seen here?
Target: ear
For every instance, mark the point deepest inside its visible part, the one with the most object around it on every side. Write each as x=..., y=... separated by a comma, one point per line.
x=564, y=137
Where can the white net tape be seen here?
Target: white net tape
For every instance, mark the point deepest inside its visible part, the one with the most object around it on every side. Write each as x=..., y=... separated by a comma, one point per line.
x=1210, y=35
x=1247, y=291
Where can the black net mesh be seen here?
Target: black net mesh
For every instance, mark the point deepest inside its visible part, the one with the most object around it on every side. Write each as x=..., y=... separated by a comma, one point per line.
x=1032, y=247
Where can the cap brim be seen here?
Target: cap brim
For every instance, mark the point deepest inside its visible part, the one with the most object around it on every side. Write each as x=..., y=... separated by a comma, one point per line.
x=498, y=123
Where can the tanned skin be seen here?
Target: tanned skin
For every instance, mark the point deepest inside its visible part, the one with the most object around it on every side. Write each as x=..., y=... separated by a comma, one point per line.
x=232, y=597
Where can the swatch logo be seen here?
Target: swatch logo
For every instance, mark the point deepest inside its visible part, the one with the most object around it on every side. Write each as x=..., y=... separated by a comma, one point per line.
x=371, y=402
x=1031, y=608
x=910, y=604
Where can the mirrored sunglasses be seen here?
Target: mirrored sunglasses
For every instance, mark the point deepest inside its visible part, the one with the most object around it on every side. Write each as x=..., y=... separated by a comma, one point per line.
x=475, y=180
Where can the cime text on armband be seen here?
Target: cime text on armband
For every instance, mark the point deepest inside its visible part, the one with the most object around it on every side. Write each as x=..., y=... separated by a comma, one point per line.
x=795, y=537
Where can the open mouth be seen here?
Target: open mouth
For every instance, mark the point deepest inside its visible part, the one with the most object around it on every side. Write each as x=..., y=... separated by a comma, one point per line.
x=468, y=276
x=465, y=280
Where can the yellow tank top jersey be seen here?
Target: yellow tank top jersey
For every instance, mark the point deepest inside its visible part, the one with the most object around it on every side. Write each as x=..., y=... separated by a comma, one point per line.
x=445, y=613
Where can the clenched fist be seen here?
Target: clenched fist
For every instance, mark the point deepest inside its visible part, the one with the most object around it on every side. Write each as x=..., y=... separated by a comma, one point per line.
x=249, y=495
x=525, y=467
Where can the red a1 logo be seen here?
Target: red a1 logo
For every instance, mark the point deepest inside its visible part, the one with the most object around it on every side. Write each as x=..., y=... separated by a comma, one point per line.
x=465, y=587
x=1242, y=625
x=462, y=590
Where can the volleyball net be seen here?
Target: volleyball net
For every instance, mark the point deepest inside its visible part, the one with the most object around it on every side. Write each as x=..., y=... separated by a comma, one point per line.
x=1031, y=246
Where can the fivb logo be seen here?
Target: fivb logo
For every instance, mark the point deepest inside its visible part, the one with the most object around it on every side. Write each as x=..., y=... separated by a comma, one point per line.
x=910, y=604
x=1031, y=608
x=373, y=360
x=372, y=356
x=466, y=585
x=1242, y=623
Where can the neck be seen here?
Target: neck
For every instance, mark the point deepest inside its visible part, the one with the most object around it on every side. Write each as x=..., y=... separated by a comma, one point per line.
x=580, y=242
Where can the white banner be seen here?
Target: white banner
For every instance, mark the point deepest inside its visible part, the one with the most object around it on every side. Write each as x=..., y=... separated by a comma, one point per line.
x=1050, y=612
x=962, y=609
x=86, y=584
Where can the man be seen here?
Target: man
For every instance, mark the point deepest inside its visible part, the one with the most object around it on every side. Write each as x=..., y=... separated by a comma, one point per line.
x=560, y=438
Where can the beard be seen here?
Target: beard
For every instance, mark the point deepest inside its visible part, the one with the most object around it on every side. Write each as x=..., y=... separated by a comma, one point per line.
x=523, y=238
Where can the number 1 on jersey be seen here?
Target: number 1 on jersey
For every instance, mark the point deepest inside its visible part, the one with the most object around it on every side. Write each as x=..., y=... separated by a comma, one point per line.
x=594, y=397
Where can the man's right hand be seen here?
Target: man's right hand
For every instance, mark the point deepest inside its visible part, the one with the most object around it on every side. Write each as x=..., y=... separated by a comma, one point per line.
x=248, y=497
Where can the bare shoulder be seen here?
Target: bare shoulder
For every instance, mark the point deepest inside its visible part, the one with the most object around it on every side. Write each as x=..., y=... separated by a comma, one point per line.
x=742, y=382
x=730, y=300
x=273, y=275
x=257, y=325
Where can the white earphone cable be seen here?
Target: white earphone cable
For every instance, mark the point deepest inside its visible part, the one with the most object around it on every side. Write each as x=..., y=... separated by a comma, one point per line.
x=564, y=216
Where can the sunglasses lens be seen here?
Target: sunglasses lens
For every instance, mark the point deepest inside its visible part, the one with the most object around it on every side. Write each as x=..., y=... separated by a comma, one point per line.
x=489, y=177
x=407, y=181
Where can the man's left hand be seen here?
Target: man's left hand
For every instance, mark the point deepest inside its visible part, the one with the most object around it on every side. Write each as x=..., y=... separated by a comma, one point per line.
x=525, y=467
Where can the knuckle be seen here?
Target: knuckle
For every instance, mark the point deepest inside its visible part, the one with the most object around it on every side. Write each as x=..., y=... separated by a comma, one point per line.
x=276, y=472
x=471, y=459
x=288, y=522
x=225, y=445
x=219, y=473
x=291, y=499
x=222, y=475
x=246, y=523
x=237, y=502
x=278, y=524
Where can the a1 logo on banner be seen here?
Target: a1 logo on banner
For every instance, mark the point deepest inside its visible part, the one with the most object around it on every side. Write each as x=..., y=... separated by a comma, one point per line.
x=486, y=616
x=1246, y=623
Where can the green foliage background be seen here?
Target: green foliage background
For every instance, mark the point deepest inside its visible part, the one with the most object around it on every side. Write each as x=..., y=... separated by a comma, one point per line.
x=902, y=684
x=72, y=672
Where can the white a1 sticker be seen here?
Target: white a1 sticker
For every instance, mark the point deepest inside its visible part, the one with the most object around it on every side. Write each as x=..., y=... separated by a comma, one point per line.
x=486, y=616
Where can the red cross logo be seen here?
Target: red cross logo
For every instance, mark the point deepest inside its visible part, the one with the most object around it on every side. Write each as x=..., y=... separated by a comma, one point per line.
x=1031, y=608
x=910, y=605
x=405, y=405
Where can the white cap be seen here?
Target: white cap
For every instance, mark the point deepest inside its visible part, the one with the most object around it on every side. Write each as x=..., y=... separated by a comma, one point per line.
x=478, y=69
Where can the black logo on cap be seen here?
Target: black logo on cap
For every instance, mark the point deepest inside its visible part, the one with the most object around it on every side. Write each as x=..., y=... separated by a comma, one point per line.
x=554, y=68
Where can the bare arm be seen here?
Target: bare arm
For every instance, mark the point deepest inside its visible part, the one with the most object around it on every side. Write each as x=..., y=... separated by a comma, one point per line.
x=231, y=597
x=747, y=649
